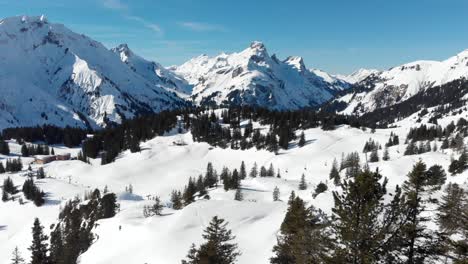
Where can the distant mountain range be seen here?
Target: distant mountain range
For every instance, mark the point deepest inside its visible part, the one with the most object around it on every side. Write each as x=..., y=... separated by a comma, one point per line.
x=49, y=74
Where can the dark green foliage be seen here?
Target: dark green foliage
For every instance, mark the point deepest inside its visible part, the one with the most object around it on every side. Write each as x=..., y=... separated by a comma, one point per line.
x=73, y=234
x=419, y=244
x=4, y=148
x=304, y=236
x=374, y=156
x=217, y=248
x=69, y=136
x=276, y=194
x=320, y=188
x=459, y=165
x=39, y=247
x=40, y=173
x=9, y=186
x=302, y=140
x=14, y=165
x=33, y=193
x=176, y=199
x=334, y=173
x=365, y=226
x=242, y=171
x=303, y=183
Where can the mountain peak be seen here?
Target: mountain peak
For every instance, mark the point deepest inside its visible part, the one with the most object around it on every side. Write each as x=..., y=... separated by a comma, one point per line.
x=297, y=62
x=257, y=45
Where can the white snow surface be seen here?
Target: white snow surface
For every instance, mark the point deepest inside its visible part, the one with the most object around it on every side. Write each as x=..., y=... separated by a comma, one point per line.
x=163, y=166
x=400, y=83
x=49, y=74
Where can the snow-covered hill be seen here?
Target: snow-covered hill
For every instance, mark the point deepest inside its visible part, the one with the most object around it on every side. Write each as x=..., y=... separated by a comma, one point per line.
x=357, y=76
x=157, y=170
x=253, y=77
x=386, y=88
x=49, y=74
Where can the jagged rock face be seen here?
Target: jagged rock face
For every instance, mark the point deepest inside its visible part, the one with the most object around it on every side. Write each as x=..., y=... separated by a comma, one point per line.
x=153, y=71
x=398, y=84
x=49, y=74
x=252, y=77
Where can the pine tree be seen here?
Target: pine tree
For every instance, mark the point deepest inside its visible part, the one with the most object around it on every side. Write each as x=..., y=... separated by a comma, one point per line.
x=176, y=199
x=303, y=183
x=5, y=196
x=254, y=171
x=39, y=247
x=418, y=242
x=109, y=206
x=210, y=176
x=40, y=173
x=242, y=171
x=334, y=173
x=386, y=155
x=276, y=194
x=320, y=188
x=271, y=171
x=302, y=140
x=304, y=236
x=16, y=258
x=238, y=196
x=453, y=203
x=374, y=157
x=218, y=248
x=364, y=225
x=263, y=171
x=2, y=169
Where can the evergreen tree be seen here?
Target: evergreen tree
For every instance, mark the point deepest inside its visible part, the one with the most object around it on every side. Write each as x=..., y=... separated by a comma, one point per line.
x=263, y=172
x=411, y=148
x=39, y=246
x=5, y=196
x=276, y=194
x=235, y=179
x=271, y=171
x=320, y=188
x=242, y=171
x=16, y=258
x=334, y=173
x=4, y=148
x=218, y=248
x=176, y=199
x=304, y=236
x=210, y=176
x=386, y=155
x=450, y=211
x=365, y=226
x=2, y=169
x=109, y=205
x=254, y=171
x=374, y=157
x=24, y=150
x=303, y=183
x=40, y=173
x=418, y=242
x=302, y=140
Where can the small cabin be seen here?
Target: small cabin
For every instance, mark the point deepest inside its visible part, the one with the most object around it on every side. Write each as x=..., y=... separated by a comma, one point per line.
x=44, y=159
x=66, y=156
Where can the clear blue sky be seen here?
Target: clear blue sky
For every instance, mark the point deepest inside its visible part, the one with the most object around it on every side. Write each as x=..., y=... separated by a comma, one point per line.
x=336, y=36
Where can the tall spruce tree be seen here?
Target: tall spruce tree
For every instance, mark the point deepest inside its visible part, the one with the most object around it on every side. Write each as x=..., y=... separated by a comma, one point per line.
x=418, y=243
x=39, y=247
x=334, y=173
x=304, y=236
x=367, y=228
x=218, y=247
x=303, y=183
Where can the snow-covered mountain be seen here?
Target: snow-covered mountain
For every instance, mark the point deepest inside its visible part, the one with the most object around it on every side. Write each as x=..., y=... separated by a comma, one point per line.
x=357, y=76
x=153, y=71
x=386, y=88
x=253, y=77
x=49, y=74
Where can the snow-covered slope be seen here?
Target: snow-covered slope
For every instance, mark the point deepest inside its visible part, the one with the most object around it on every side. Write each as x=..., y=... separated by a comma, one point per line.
x=153, y=71
x=157, y=170
x=49, y=74
x=357, y=76
x=253, y=77
x=397, y=84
